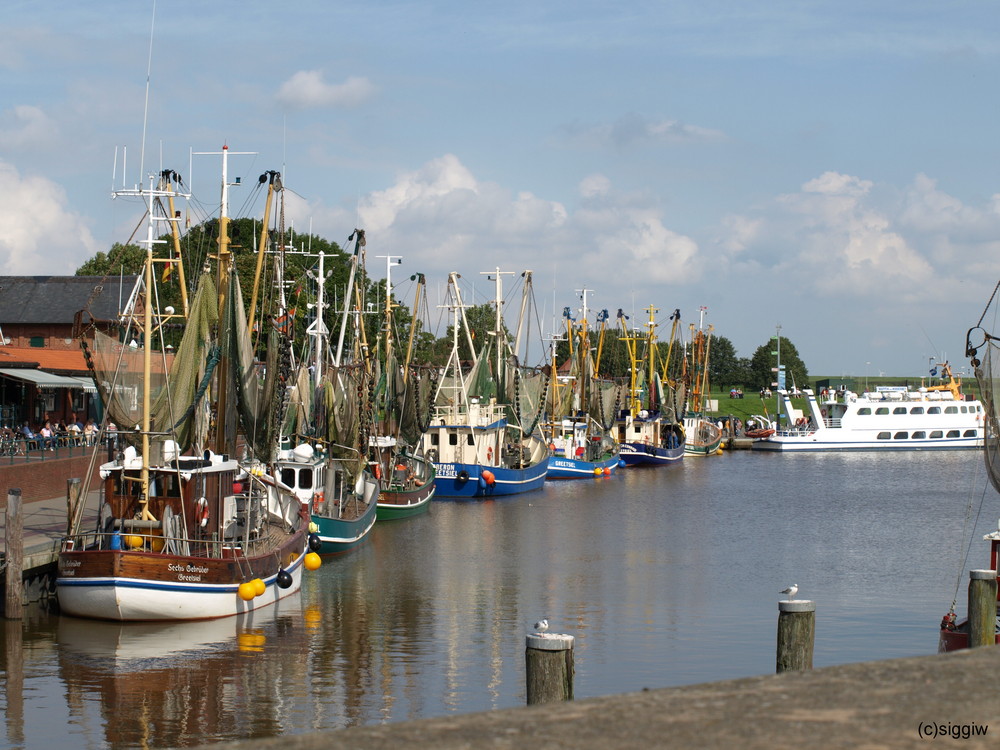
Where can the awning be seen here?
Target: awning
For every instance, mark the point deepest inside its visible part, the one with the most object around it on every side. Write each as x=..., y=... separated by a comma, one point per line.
x=47, y=379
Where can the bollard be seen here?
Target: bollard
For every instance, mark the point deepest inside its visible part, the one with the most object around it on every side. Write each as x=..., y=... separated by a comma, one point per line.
x=796, y=634
x=982, y=607
x=14, y=539
x=549, y=668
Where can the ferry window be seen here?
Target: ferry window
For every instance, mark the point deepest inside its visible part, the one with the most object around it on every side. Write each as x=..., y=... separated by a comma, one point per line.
x=882, y=436
x=882, y=410
x=964, y=409
x=951, y=410
x=917, y=410
x=288, y=477
x=900, y=436
x=469, y=440
x=936, y=434
x=969, y=433
x=934, y=410
x=435, y=439
x=899, y=410
x=953, y=433
x=453, y=439
x=865, y=410
x=918, y=435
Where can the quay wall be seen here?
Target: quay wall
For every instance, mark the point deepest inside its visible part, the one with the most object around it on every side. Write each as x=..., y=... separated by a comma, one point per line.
x=45, y=478
x=941, y=700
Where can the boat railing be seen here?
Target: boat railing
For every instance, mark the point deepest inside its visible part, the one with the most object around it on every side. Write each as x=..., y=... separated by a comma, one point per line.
x=152, y=541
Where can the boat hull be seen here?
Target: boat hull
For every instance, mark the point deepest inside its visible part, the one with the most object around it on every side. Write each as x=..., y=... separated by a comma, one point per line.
x=642, y=454
x=130, y=586
x=340, y=535
x=816, y=442
x=571, y=468
x=456, y=480
x=393, y=504
x=956, y=639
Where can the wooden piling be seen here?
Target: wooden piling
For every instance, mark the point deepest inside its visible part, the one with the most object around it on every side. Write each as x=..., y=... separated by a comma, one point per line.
x=549, y=667
x=982, y=607
x=13, y=573
x=72, y=501
x=796, y=635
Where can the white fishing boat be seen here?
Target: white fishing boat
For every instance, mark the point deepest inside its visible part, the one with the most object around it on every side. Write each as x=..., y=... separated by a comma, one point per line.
x=889, y=418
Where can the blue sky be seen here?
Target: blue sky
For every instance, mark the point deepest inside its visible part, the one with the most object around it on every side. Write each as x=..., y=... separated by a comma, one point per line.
x=829, y=167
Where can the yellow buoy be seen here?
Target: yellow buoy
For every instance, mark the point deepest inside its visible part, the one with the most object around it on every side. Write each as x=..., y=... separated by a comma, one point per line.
x=313, y=528
x=313, y=561
x=247, y=591
x=598, y=471
x=259, y=586
x=157, y=543
x=134, y=541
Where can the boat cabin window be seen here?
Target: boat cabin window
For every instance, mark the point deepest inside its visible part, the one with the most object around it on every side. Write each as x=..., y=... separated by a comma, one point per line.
x=953, y=433
x=882, y=410
x=883, y=436
x=936, y=434
x=469, y=440
x=951, y=410
x=453, y=438
x=900, y=436
x=965, y=409
x=899, y=410
x=917, y=410
x=435, y=438
x=970, y=433
x=934, y=410
x=918, y=435
x=865, y=410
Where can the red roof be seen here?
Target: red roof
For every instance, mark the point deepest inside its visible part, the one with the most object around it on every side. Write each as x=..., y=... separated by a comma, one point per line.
x=61, y=361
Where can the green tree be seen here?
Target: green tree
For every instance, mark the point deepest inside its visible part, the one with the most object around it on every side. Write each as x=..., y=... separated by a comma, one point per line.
x=723, y=364
x=761, y=374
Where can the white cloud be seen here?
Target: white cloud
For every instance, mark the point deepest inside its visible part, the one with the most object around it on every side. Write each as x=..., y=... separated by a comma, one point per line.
x=307, y=89
x=634, y=129
x=37, y=234
x=25, y=126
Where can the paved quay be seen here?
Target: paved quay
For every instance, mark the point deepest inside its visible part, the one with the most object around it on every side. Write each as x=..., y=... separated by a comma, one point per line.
x=946, y=700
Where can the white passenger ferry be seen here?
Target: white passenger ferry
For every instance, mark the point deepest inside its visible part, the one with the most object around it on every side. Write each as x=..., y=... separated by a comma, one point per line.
x=890, y=418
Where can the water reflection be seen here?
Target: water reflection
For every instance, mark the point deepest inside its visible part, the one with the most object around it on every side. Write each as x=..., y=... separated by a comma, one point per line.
x=665, y=577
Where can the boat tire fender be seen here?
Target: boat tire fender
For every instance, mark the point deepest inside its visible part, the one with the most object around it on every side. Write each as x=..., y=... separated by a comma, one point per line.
x=463, y=476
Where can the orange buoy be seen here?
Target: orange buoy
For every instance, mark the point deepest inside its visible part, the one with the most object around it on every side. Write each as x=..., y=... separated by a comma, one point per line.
x=313, y=561
x=247, y=591
x=488, y=476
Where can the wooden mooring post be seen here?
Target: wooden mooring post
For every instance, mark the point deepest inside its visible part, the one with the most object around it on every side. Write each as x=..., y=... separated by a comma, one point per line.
x=796, y=635
x=14, y=547
x=549, y=668
x=982, y=607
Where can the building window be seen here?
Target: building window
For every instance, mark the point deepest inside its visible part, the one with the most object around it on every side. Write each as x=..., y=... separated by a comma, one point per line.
x=36, y=341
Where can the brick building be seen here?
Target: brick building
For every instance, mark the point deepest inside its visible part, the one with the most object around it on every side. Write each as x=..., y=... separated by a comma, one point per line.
x=42, y=369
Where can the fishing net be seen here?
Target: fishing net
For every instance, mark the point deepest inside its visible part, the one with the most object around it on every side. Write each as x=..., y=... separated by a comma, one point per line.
x=984, y=351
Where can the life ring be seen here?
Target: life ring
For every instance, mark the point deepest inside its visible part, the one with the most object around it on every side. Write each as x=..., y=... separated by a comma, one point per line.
x=201, y=512
x=489, y=454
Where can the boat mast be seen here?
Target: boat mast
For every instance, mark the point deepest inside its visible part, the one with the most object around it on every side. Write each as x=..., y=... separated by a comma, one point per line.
x=419, y=278
x=650, y=354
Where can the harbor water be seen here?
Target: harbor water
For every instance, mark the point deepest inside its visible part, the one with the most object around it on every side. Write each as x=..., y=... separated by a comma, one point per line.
x=665, y=576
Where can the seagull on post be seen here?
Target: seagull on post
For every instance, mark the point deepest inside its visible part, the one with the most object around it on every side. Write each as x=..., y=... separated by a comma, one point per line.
x=541, y=626
x=791, y=590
